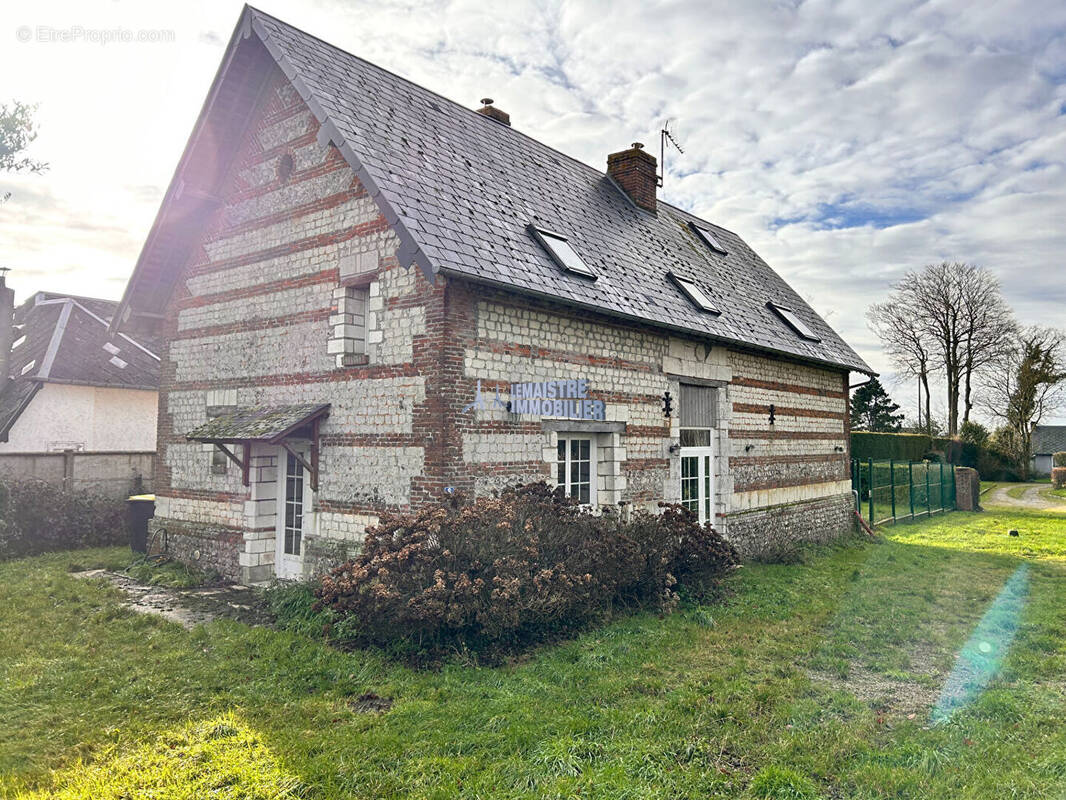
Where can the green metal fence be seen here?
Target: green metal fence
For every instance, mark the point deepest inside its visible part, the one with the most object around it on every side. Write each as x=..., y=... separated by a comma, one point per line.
x=891, y=490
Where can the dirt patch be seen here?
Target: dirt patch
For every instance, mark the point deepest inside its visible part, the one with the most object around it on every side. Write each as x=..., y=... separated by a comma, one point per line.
x=370, y=703
x=893, y=695
x=882, y=693
x=187, y=607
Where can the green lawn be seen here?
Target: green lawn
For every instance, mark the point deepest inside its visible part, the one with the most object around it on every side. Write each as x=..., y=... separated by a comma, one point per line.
x=811, y=680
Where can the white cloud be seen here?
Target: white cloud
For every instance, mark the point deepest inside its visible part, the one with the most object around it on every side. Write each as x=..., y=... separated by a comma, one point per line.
x=927, y=130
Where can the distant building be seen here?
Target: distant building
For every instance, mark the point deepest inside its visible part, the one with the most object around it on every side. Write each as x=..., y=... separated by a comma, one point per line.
x=371, y=296
x=1047, y=440
x=71, y=385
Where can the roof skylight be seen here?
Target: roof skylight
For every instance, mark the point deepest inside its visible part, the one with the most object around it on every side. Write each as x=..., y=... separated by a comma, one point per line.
x=28, y=367
x=794, y=322
x=709, y=239
x=118, y=362
x=110, y=348
x=694, y=293
x=19, y=341
x=560, y=249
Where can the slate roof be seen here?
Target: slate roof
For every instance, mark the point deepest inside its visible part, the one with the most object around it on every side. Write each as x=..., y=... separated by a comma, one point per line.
x=462, y=190
x=65, y=339
x=1049, y=439
x=258, y=423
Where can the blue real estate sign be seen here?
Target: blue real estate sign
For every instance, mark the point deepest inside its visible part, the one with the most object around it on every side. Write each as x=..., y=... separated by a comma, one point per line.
x=565, y=399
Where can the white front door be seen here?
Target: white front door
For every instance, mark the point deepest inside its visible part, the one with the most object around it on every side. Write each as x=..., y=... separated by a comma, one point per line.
x=697, y=481
x=294, y=505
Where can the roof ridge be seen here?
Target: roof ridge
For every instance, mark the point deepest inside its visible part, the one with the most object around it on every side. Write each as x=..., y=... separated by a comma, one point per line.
x=56, y=339
x=74, y=299
x=64, y=295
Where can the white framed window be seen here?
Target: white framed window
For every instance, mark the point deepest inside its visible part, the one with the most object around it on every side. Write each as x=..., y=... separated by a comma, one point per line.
x=576, y=467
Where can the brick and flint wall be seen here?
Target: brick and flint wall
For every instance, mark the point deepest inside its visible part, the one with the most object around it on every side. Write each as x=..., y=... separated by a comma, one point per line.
x=775, y=484
x=255, y=322
x=264, y=315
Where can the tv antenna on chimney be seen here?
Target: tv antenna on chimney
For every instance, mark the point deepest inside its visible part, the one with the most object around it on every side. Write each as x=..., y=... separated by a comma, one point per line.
x=665, y=135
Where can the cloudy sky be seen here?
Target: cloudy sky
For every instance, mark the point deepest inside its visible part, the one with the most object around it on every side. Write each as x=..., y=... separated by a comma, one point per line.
x=848, y=142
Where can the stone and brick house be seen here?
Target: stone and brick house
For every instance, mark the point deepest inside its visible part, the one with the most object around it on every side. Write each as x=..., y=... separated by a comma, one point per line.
x=371, y=296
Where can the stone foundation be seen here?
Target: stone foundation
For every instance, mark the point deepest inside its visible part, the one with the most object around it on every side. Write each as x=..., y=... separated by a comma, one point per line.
x=207, y=547
x=764, y=532
x=323, y=553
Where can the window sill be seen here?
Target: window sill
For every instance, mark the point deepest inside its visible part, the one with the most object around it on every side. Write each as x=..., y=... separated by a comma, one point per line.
x=355, y=359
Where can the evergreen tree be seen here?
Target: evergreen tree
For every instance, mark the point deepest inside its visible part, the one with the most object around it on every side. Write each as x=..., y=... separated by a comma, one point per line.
x=873, y=410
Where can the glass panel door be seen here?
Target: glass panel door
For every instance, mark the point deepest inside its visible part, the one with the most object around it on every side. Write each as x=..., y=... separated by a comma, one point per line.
x=294, y=505
x=697, y=482
x=294, y=495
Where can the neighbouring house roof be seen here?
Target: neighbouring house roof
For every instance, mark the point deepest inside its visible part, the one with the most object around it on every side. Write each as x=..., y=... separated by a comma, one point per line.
x=66, y=339
x=462, y=192
x=258, y=424
x=1049, y=439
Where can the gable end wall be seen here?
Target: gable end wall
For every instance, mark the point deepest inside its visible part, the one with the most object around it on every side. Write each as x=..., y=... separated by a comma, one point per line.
x=251, y=323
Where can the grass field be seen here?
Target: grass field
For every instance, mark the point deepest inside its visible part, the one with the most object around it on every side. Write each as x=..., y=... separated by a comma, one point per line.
x=811, y=680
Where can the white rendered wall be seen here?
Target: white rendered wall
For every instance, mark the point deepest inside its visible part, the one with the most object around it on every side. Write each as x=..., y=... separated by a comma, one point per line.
x=89, y=418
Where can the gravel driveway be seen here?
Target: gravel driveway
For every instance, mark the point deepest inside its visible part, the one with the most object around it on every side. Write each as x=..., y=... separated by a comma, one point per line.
x=1032, y=498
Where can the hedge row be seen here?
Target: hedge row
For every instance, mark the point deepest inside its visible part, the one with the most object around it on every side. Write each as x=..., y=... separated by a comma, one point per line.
x=991, y=465
x=911, y=447
x=894, y=446
x=38, y=517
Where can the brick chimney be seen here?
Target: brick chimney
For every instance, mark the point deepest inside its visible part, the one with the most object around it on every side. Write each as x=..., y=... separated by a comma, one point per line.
x=490, y=111
x=635, y=171
x=7, y=328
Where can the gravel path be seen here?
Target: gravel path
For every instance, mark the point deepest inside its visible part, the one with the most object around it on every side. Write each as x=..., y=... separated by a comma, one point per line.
x=1032, y=498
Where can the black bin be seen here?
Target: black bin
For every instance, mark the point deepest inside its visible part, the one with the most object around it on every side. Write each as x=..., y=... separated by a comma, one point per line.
x=139, y=509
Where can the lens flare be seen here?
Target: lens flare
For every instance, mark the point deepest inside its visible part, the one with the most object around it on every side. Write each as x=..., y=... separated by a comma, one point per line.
x=983, y=654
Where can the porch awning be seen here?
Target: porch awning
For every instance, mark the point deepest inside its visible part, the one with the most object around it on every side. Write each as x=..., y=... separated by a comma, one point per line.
x=266, y=425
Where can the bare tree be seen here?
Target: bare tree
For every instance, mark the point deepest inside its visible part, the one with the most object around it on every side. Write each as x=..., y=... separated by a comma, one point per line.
x=955, y=314
x=1025, y=384
x=987, y=327
x=897, y=325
